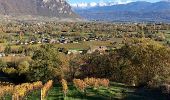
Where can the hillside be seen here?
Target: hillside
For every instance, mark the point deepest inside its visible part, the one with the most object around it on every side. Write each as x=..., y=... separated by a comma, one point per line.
x=45, y=8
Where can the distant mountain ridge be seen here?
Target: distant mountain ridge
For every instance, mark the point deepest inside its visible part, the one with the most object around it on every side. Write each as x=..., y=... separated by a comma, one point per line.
x=134, y=11
x=46, y=8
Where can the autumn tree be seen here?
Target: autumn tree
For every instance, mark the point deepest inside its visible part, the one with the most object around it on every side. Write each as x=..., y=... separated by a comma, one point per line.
x=96, y=65
x=74, y=65
x=142, y=60
x=45, y=65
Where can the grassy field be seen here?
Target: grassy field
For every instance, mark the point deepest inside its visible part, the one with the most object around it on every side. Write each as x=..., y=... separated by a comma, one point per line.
x=84, y=45
x=15, y=58
x=116, y=91
x=81, y=45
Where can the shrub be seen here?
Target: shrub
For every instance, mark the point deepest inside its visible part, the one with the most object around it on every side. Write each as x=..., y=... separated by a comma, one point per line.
x=6, y=90
x=91, y=82
x=23, y=67
x=104, y=82
x=64, y=86
x=19, y=91
x=46, y=88
x=165, y=88
x=80, y=84
x=97, y=82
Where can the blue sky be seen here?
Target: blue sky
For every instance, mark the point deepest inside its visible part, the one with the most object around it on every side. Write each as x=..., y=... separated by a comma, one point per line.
x=87, y=1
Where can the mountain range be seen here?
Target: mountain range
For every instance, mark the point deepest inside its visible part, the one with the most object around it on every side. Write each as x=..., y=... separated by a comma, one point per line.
x=134, y=11
x=84, y=5
x=45, y=8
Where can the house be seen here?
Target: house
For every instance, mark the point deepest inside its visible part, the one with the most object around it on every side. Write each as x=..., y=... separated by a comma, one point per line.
x=32, y=42
x=62, y=40
x=45, y=40
x=97, y=48
x=2, y=55
x=26, y=43
x=39, y=42
x=52, y=41
x=73, y=51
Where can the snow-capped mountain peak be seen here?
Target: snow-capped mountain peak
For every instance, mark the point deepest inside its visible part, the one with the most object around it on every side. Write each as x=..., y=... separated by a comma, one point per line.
x=94, y=4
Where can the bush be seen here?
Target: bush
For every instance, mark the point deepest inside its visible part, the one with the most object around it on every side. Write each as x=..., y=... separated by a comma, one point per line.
x=165, y=88
x=2, y=64
x=64, y=86
x=46, y=88
x=23, y=67
x=80, y=84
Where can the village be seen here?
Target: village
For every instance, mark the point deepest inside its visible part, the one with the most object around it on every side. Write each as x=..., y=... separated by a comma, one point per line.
x=42, y=38
x=75, y=38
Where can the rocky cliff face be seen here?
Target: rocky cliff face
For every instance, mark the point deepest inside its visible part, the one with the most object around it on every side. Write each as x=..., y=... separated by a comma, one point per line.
x=47, y=8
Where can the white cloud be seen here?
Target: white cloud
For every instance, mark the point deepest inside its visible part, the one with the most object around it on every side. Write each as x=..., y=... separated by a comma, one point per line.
x=80, y=5
x=93, y=4
x=101, y=3
x=88, y=5
x=123, y=1
x=83, y=4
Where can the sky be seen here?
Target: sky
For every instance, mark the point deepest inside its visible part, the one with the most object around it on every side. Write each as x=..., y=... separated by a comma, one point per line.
x=92, y=3
x=88, y=1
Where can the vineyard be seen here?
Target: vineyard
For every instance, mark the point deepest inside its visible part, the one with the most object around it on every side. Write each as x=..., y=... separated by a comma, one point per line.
x=88, y=88
x=19, y=92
